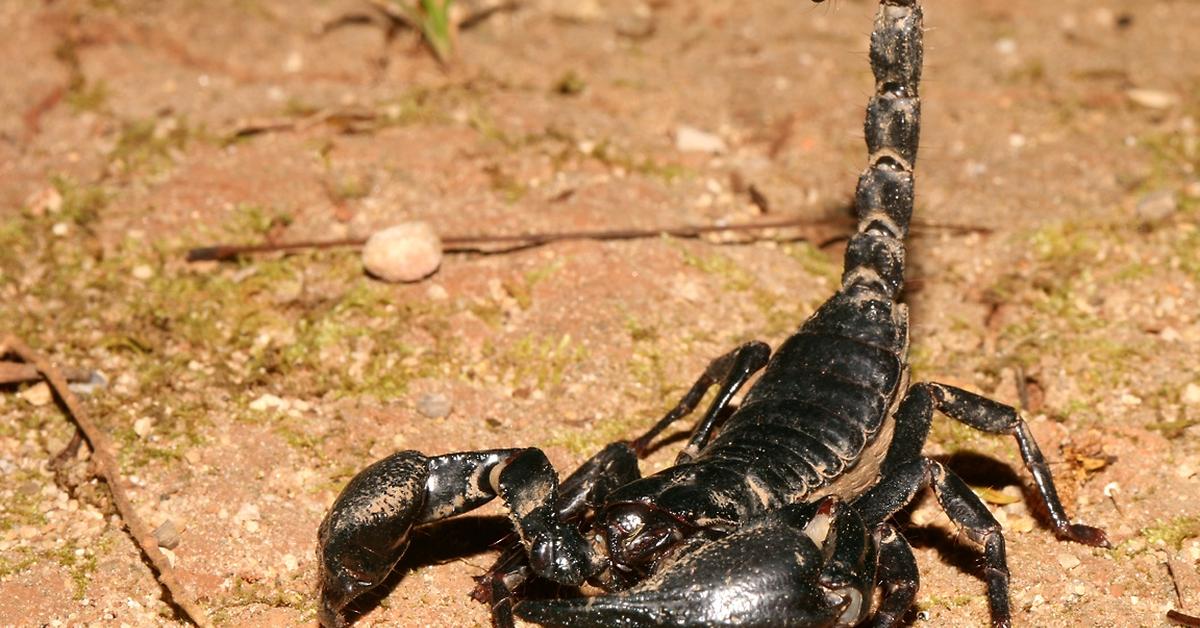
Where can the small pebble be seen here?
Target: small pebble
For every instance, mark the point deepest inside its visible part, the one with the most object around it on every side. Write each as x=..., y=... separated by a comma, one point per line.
x=692, y=140
x=167, y=535
x=143, y=426
x=437, y=292
x=45, y=201
x=1191, y=394
x=290, y=563
x=38, y=395
x=267, y=402
x=406, y=252
x=1185, y=471
x=434, y=405
x=248, y=512
x=142, y=272
x=1152, y=98
x=1156, y=206
x=1020, y=523
x=1068, y=561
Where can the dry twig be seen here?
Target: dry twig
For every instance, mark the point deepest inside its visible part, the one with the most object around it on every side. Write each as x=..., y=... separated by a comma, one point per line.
x=472, y=243
x=106, y=465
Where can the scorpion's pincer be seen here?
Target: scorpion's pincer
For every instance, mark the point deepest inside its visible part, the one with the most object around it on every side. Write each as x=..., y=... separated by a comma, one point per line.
x=366, y=530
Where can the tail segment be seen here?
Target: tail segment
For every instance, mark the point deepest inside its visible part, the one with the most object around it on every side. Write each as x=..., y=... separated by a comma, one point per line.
x=884, y=199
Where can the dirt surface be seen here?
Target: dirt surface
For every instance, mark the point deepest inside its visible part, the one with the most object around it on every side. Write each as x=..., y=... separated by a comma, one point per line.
x=244, y=395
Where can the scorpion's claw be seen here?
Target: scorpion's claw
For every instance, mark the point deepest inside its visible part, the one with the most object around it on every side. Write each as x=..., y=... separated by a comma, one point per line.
x=1087, y=535
x=769, y=573
x=366, y=530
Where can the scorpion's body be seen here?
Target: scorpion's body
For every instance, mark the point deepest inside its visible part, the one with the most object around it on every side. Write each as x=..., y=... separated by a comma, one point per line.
x=776, y=513
x=816, y=423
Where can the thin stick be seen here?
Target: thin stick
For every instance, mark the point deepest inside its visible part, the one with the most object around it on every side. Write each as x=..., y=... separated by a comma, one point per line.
x=108, y=469
x=467, y=243
x=1183, y=620
x=19, y=373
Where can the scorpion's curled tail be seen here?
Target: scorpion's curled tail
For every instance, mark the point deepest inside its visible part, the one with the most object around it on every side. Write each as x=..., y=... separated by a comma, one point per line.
x=884, y=198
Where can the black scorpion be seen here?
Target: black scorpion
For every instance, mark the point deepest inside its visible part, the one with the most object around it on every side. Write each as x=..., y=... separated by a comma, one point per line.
x=775, y=514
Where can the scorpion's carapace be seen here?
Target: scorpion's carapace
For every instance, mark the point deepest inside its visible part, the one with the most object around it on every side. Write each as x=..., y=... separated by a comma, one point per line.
x=777, y=513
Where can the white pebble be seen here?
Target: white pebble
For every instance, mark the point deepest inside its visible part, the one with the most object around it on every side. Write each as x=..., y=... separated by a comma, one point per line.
x=45, y=201
x=143, y=272
x=1152, y=98
x=143, y=426
x=1191, y=395
x=290, y=563
x=267, y=402
x=37, y=395
x=1068, y=561
x=692, y=140
x=409, y=251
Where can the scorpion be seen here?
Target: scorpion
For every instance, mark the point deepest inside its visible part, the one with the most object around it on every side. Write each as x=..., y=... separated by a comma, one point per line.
x=777, y=511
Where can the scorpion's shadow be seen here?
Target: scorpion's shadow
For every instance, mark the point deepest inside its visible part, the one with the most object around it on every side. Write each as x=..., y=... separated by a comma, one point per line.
x=448, y=541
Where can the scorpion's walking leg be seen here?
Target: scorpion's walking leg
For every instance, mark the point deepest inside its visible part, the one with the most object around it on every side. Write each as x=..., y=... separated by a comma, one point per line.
x=962, y=506
x=732, y=371
x=986, y=415
x=898, y=577
x=366, y=530
x=907, y=471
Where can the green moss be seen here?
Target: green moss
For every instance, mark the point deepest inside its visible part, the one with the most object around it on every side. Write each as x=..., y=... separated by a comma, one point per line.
x=81, y=203
x=733, y=277
x=22, y=509
x=535, y=360
x=615, y=157
x=151, y=145
x=350, y=187
x=80, y=562
x=950, y=602
x=509, y=188
x=1173, y=532
x=85, y=96
x=16, y=561
x=570, y=84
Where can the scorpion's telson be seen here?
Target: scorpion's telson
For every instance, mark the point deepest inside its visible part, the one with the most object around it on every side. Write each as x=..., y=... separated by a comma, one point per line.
x=777, y=513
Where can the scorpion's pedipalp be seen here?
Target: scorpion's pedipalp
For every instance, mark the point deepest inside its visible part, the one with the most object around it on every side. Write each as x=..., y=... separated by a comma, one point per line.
x=768, y=573
x=366, y=530
x=614, y=466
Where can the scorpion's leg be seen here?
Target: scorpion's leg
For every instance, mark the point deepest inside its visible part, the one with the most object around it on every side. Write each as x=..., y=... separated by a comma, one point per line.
x=898, y=577
x=807, y=564
x=367, y=528
x=986, y=415
x=731, y=370
x=964, y=508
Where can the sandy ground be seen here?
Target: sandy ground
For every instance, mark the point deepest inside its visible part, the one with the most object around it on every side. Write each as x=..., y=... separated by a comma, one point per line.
x=244, y=395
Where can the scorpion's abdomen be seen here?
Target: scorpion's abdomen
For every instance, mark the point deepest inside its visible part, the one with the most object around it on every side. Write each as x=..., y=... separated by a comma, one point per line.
x=820, y=403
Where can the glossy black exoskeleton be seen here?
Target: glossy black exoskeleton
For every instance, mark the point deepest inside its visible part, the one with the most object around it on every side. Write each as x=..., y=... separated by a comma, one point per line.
x=776, y=513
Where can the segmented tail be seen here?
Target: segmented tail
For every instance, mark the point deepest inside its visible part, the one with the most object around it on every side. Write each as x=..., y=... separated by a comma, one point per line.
x=884, y=198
